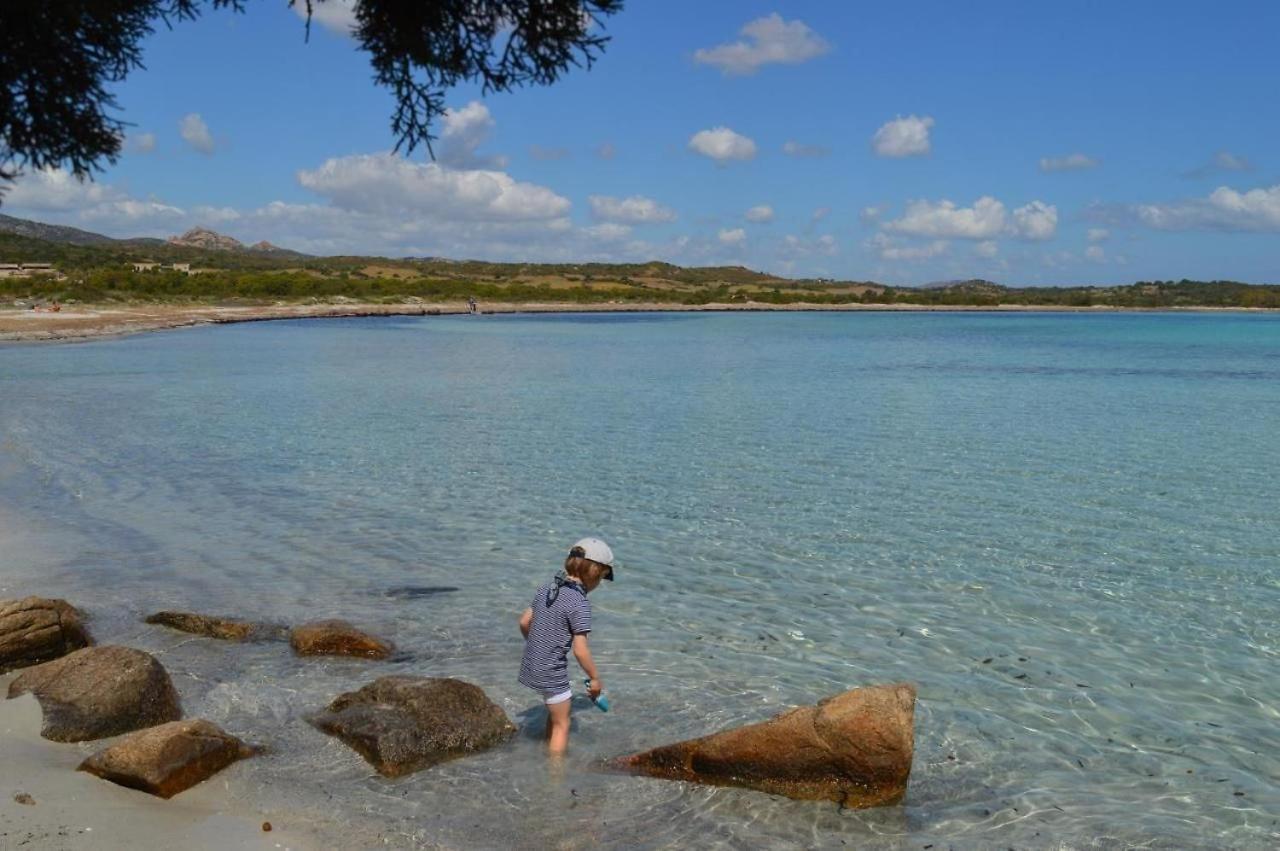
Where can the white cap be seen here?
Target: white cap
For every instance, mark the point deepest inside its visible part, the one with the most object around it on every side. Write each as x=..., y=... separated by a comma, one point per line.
x=595, y=549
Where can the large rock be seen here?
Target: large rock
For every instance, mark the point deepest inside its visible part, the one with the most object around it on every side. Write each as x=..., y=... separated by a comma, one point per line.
x=225, y=629
x=168, y=759
x=36, y=630
x=98, y=692
x=405, y=724
x=336, y=638
x=854, y=748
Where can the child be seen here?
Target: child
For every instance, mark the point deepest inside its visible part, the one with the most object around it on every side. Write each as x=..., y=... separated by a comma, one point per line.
x=559, y=619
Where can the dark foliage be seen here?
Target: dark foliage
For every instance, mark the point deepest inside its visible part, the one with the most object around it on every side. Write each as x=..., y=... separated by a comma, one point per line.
x=59, y=58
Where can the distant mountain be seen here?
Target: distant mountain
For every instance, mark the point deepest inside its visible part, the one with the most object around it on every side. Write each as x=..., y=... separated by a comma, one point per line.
x=967, y=284
x=199, y=237
x=52, y=233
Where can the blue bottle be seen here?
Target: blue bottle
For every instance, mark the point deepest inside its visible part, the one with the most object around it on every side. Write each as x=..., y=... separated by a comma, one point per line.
x=601, y=702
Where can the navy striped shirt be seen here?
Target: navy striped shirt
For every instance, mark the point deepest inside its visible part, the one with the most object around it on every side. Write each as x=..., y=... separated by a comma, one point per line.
x=560, y=611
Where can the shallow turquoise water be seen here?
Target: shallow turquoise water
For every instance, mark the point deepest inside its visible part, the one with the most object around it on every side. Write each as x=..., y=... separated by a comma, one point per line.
x=1062, y=527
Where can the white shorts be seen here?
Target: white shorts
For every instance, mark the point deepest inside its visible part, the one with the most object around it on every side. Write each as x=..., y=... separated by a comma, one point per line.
x=559, y=698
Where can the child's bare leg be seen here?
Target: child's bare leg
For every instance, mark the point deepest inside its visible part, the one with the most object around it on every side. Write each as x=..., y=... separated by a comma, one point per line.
x=558, y=727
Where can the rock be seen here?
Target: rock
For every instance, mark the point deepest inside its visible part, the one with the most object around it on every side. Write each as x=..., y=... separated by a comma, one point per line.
x=36, y=630
x=168, y=759
x=24, y=799
x=854, y=748
x=222, y=628
x=98, y=692
x=336, y=638
x=405, y=724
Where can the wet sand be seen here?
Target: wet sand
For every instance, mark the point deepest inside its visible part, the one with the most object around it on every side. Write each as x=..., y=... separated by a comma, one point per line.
x=88, y=322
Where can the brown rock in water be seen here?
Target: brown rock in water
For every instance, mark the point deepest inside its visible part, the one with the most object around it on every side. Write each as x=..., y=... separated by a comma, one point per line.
x=225, y=629
x=98, y=692
x=854, y=748
x=168, y=759
x=336, y=638
x=36, y=630
x=405, y=724
x=24, y=799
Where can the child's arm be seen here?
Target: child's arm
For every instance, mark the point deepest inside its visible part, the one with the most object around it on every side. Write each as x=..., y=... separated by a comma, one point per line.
x=526, y=620
x=582, y=652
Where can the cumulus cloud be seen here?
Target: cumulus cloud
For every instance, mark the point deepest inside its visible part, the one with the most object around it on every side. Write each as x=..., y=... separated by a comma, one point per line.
x=141, y=143
x=636, y=210
x=765, y=41
x=1222, y=162
x=337, y=16
x=58, y=194
x=1225, y=209
x=722, y=145
x=819, y=213
x=760, y=214
x=798, y=246
x=889, y=249
x=196, y=133
x=1071, y=162
x=796, y=149
x=462, y=132
x=1098, y=234
x=385, y=182
x=985, y=220
x=1096, y=253
x=733, y=237
x=1036, y=221
x=903, y=137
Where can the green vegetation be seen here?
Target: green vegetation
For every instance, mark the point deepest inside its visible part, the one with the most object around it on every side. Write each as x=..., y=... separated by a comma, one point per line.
x=103, y=274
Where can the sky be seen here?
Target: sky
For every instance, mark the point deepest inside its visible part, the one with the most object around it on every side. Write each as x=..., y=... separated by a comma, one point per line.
x=1026, y=143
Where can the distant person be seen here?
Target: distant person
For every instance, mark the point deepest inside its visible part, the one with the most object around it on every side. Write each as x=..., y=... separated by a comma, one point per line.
x=471, y=304
x=558, y=621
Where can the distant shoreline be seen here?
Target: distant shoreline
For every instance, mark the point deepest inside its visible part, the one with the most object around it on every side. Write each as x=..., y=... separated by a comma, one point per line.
x=83, y=322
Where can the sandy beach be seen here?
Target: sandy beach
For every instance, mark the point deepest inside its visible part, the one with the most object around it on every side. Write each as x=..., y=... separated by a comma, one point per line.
x=65, y=808
x=88, y=322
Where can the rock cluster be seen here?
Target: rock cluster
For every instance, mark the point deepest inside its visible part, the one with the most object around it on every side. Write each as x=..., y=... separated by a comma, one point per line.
x=168, y=759
x=36, y=630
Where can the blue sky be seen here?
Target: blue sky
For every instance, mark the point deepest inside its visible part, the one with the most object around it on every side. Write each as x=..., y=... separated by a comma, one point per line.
x=1029, y=143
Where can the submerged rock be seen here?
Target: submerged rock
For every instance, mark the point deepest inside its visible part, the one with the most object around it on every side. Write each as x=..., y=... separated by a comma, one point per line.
x=98, y=692
x=35, y=630
x=168, y=759
x=225, y=629
x=336, y=638
x=405, y=724
x=854, y=748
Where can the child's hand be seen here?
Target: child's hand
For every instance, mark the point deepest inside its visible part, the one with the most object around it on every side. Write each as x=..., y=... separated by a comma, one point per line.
x=595, y=688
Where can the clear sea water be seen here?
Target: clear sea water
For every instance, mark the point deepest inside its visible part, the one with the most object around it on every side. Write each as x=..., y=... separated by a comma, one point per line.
x=1061, y=527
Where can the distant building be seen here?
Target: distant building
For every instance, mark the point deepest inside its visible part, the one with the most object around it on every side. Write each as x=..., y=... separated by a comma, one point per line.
x=26, y=270
x=145, y=267
x=184, y=268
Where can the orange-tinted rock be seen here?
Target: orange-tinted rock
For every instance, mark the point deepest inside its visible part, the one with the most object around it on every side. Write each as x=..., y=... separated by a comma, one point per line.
x=405, y=724
x=35, y=630
x=225, y=629
x=336, y=638
x=168, y=759
x=98, y=692
x=854, y=748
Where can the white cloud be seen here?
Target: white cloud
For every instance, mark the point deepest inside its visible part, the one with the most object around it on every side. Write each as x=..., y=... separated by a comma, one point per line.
x=870, y=215
x=1225, y=209
x=760, y=214
x=889, y=249
x=987, y=248
x=142, y=143
x=798, y=246
x=1036, y=221
x=337, y=16
x=819, y=213
x=735, y=237
x=985, y=220
x=462, y=132
x=766, y=41
x=1071, y=162
x=722, y=145
x=797, y=149
x=1099, y=234
x=943, y=219
x=1096, y=253
x=52, y=189
x=903, y=137
x=380, y=183
x=636, y=210
x=1223, y=161
x=196, y=133
x=608, y=231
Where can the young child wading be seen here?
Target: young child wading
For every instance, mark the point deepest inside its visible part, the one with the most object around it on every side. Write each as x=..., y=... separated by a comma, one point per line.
x=558, y=620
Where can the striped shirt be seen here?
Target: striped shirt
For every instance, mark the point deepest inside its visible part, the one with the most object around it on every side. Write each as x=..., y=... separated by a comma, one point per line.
x=560, y=611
